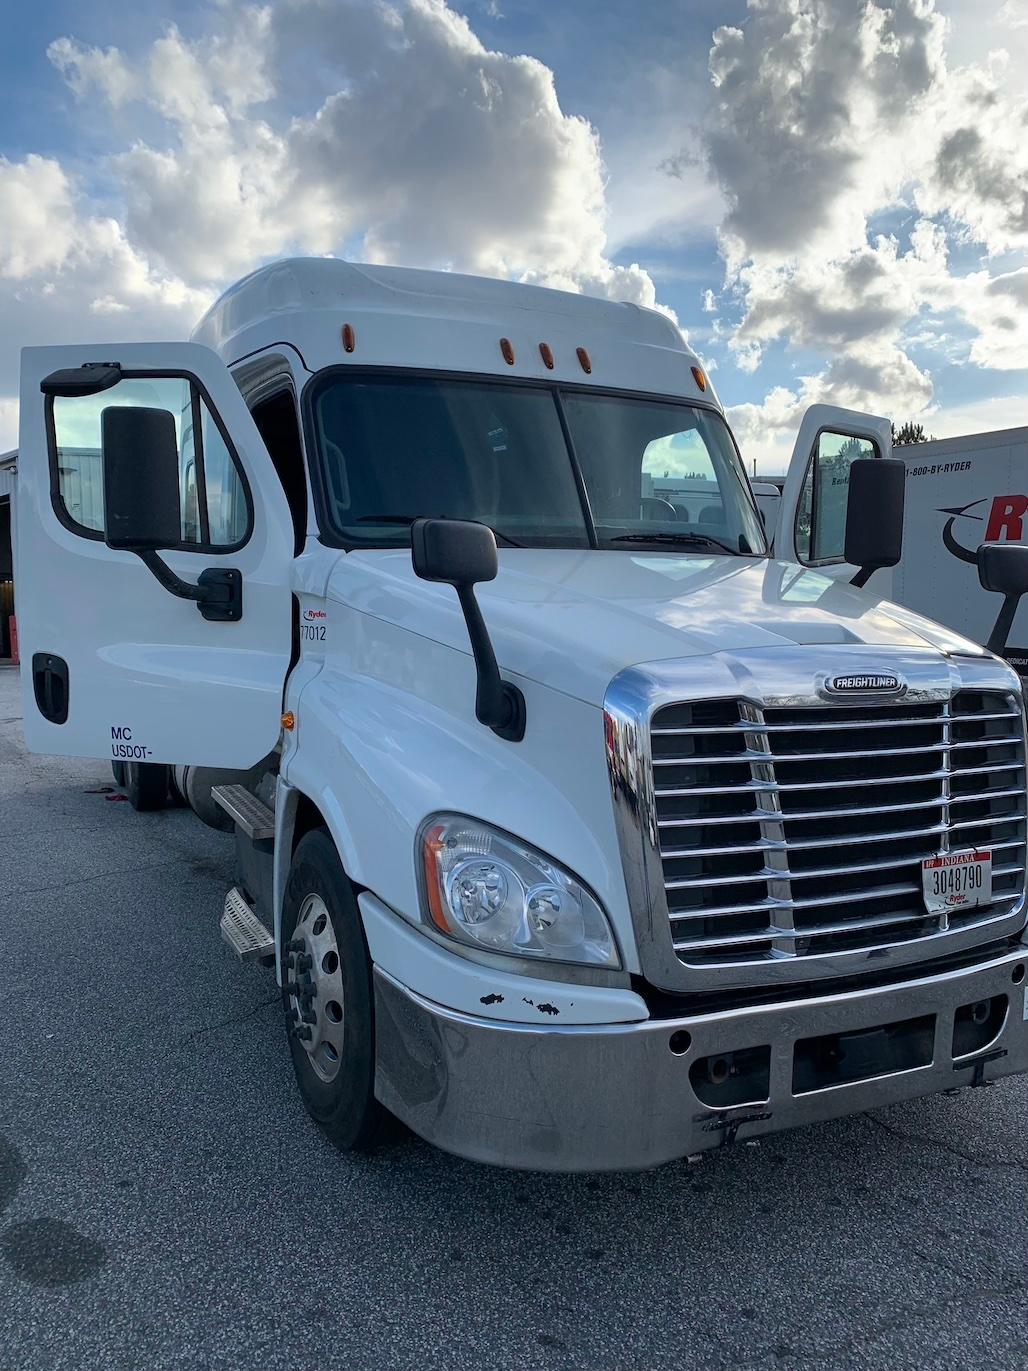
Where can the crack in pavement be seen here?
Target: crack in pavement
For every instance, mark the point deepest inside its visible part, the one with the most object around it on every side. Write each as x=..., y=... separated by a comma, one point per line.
x=982, y=1162
x=88, y=880
x=227, y=1023
x=835, y=1354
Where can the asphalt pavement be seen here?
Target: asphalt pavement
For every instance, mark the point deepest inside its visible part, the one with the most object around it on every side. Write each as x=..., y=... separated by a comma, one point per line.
x=165, y=1203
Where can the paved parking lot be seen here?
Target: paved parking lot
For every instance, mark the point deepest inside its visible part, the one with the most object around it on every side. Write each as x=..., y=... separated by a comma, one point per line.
x=165, y=1203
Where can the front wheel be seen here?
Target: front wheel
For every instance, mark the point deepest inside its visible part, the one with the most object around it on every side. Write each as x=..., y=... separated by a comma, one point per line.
x=328, y=997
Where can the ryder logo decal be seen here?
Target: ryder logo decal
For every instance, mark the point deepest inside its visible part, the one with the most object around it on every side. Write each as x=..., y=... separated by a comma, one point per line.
x=1001, y=519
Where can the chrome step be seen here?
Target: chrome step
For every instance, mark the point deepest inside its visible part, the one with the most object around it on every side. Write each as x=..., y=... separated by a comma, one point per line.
x=243, y=931
x=253, y=816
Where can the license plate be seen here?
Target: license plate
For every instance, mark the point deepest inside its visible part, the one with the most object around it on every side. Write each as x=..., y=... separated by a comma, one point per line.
x=956, y=880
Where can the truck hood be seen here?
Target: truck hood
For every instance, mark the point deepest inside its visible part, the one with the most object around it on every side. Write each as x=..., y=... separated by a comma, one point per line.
x=572, y=620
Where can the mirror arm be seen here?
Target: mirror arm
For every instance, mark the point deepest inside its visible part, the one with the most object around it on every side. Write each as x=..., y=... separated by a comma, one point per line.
x=498, y=704
x=1004, y=623
x=863, y=575
x=218, y=591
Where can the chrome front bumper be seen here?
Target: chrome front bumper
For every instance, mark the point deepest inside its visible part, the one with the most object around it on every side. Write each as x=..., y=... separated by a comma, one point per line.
x=624, y=1097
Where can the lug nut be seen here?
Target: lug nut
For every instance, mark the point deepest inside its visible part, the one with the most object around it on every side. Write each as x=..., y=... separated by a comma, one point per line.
x=304, y=963
x=296, y=945
x=304, y=1034
x=309, y=1016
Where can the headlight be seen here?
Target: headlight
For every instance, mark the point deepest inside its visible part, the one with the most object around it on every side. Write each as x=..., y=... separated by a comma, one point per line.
x=491, y=891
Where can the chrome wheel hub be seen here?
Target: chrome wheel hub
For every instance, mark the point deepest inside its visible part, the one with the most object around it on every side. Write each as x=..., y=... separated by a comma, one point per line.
x=315, y=988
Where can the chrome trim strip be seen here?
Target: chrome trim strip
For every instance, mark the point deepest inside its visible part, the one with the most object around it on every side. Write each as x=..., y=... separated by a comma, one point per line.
x=787, y=678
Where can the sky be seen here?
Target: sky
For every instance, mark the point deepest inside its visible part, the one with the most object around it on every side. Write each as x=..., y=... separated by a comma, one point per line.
x=829, y=196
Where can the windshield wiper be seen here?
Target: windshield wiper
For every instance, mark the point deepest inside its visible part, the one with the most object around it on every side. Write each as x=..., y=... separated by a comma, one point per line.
x=683, y=539
x=503, y=538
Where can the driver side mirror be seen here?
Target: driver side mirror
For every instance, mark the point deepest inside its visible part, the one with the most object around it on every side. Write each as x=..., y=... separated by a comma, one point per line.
x=142, y=507
x=1003, y=569
x=874, y=515
x=139, y=448
x=462, y=553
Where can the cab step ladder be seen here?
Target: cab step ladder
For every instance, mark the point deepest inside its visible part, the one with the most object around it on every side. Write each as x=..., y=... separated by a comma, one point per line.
x=245, y=934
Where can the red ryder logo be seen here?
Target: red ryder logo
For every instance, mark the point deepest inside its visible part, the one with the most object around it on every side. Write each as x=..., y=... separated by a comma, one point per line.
x=1004, y=519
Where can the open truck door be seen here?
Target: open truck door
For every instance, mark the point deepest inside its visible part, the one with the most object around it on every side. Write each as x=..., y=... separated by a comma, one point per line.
x=153, y=555
x=812, y=519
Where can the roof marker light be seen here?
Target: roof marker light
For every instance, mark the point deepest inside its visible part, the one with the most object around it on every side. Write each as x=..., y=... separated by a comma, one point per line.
x=507, y=348
x=546, y=353
x=349, y=338
x=699, y=377
x=585, y=360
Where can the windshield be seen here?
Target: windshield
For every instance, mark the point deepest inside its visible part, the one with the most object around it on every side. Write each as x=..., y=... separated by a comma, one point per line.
x=543, y=466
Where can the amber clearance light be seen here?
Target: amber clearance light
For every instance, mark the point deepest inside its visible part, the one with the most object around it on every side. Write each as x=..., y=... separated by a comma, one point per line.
x=432, y=847
x=699, y=377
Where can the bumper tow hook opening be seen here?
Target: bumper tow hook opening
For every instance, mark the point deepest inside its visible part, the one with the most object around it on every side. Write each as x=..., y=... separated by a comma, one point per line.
x=728, y=1079
x=718, y=1069
x=680, y=1042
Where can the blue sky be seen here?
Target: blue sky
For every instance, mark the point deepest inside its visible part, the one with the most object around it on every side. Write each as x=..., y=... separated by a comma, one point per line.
x=831, y=196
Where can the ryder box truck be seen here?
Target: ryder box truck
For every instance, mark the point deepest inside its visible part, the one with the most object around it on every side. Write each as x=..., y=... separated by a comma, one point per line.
x=580, y=832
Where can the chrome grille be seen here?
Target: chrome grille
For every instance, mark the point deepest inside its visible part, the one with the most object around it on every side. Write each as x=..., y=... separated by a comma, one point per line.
x=791, y=832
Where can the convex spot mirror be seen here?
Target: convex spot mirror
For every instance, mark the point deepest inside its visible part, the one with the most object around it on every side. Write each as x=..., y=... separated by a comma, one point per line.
x=139, y=449
x=874, y=514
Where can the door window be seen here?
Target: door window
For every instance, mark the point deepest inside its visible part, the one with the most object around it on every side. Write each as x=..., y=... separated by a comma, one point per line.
x=821, y=514
x=212, y=496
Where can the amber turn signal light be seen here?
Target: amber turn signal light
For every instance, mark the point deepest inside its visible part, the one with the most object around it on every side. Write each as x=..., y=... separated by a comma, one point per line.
x=699, y=377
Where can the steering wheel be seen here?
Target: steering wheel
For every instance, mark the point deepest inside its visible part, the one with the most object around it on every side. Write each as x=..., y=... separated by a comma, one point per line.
x=663, y=505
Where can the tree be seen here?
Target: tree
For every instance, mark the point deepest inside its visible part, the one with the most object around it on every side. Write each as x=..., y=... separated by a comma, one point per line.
x=909, y=432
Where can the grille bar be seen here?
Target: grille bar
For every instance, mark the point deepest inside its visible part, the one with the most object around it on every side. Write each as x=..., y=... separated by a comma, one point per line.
x=783, y=874
x=842, y=723
x=800, y=869
x=816, y=930
x=738, y=758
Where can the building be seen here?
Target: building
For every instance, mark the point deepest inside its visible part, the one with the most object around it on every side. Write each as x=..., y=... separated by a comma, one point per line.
x=8, y=467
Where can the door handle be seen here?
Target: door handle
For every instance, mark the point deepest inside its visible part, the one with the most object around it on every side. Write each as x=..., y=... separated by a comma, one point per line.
x=50, y=686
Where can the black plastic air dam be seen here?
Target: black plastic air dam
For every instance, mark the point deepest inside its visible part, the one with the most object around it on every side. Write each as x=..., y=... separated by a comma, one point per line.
x=841, y=1058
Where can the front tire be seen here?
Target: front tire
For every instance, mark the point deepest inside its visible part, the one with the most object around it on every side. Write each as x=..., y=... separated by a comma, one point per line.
x=332, y=1032
x=146, y=785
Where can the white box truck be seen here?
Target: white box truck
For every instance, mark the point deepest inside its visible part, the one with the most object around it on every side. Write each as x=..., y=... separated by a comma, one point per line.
x=581, y=833
x=960, y=492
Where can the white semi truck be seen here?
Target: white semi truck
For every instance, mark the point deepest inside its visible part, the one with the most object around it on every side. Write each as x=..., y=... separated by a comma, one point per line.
x=580, y=832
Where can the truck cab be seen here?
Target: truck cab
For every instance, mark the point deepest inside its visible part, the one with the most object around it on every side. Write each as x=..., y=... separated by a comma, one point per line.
x=580, y=832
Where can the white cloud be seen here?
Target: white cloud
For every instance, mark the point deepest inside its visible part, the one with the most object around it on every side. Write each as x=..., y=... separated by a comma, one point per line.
x=378, y=129
x=70, y=275
x=425, y=147
x=37, y=229
x=829, y=114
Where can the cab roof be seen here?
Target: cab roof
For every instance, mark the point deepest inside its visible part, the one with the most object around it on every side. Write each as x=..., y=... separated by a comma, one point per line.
x=443, y=321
